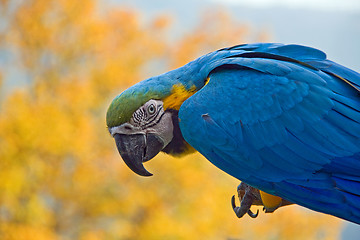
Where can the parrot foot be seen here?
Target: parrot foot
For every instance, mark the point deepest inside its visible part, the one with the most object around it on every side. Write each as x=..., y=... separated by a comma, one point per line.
x=240, y=211
x=248, y=196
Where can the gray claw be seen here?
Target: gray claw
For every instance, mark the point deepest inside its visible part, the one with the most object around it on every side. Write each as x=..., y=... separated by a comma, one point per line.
x=233, y=202
x=248, y=196
x=239, y=211
x=253, y=215
x=244, y=207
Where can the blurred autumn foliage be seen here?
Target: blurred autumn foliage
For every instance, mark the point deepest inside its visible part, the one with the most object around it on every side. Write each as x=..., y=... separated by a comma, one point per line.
x=60, y=174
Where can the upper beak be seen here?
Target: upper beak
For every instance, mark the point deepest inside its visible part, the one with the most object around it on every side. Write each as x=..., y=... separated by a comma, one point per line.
x=138, y=148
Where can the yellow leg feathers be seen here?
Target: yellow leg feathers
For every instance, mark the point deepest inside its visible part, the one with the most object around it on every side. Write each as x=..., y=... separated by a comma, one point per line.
x=270, y=202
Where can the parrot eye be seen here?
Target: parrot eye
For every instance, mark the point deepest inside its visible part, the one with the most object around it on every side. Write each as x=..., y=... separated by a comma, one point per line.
x=151, y=109
x=149, y=113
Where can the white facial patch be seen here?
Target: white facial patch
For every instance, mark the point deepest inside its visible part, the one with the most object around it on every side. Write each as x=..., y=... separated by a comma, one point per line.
x=148, y=114
x=149, y=118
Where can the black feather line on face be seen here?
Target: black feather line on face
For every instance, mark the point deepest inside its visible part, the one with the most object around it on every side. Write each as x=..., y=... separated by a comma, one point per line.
x=178, y=145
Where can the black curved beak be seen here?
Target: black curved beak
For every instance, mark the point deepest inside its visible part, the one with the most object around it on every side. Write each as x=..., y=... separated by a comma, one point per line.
x=138, y=148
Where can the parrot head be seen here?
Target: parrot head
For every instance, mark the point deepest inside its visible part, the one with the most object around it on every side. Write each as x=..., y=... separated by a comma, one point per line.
x=145, y=122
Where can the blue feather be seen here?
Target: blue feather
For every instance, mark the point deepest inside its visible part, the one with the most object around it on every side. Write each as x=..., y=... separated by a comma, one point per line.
x=334, y=68
x=292, y=122
x=349, y=165
x=299, y=52
x=349, y=112
x=307, y=151
x=286, y=167
x=348, y=186
x=320, y=181
x=321, y=195
x=296, y=159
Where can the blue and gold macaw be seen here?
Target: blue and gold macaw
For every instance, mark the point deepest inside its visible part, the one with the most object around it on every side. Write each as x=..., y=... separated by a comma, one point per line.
x=283, y=119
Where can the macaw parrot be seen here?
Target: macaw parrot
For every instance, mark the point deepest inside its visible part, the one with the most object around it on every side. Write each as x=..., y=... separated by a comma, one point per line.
x=283, y=119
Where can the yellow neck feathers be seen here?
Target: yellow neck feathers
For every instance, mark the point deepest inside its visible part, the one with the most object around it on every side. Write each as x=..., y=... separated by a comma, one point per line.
x=178, y=95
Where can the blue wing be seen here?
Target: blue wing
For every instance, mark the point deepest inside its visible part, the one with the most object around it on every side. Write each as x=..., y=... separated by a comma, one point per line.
x=284, y=120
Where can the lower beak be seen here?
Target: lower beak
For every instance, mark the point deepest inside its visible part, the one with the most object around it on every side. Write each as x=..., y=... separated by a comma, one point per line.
x=138, y=148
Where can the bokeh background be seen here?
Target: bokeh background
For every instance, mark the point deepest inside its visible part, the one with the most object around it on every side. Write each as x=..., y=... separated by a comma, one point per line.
x=62, y=62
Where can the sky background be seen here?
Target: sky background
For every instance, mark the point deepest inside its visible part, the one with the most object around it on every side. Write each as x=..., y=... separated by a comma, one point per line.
x=321, y=5
x=330, y=25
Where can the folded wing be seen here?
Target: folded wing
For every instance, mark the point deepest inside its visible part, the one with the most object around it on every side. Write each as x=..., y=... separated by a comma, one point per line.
x=285, y=120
